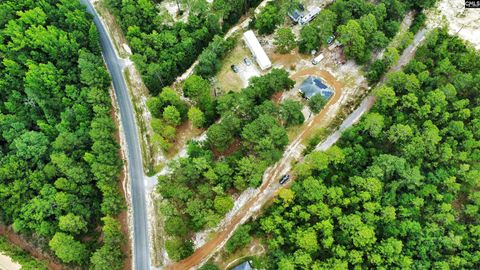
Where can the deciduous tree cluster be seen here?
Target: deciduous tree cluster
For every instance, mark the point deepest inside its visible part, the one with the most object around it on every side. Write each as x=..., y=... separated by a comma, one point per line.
x=400, y=191
x=59, y=162
x=162, y=51
x=239, y=147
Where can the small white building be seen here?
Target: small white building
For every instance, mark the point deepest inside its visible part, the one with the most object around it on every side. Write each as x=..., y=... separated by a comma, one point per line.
x=257, y=50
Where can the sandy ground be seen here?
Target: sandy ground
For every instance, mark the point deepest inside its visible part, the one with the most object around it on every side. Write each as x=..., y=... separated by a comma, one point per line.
x=246, y=72
x=461, y=21
x=6, y=263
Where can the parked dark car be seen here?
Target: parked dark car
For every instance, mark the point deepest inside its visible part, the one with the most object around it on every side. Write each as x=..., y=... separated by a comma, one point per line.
x=247, y=61
x=284, y=179
x=234, y=68
x=301, y=7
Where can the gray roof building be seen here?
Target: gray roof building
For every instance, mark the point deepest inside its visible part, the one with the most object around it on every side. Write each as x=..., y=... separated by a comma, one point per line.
x=295, y=15
x=313, y=86
x=244, y=266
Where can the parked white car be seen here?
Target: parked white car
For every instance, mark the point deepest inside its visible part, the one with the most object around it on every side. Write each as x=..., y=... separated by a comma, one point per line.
x=317, y=59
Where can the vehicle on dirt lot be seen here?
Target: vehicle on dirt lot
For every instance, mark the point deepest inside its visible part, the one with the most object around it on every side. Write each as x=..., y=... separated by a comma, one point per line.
x=317, y=59
x=247, y=61
x=234, y=68
x=284, y=179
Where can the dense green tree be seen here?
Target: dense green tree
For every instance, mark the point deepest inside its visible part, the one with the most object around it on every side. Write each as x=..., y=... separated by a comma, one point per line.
x=196, y=116
x=178, y=249
x=171, y=115
x=68, y=249
x=373, y=123
x=219, y=136
x=284, y=40
x=309, y=39
x=234, y=156
x=267, y=20
x=239, y=239
x=72, y=223
x=396, y=191
x=163, y=50
x=316, y=103
x=175, y=226
x=325, y=23
x=195, y=86
x=109, y=256
x=352, y=36
x=291, y=112
x=209, y=61
x=59, y=162
x=223, y=204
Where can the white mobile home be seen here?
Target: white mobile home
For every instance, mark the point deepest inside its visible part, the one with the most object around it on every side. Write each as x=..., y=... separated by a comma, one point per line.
x=310, y=15
x=257, y=50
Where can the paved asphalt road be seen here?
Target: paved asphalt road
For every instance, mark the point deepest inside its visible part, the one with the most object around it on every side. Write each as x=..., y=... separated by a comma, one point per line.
x=141, y=251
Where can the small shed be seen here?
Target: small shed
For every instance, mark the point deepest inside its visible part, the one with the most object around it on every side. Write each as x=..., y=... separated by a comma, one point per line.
x=257, y=50
x=244, y=266
x=314, y=86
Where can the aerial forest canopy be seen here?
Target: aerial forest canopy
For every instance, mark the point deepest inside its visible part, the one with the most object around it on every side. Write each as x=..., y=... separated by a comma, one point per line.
x=162, y=51
x=59, y=161
x=401, y=189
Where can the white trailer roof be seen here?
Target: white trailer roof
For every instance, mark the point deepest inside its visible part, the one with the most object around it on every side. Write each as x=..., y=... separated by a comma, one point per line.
x=257, y=50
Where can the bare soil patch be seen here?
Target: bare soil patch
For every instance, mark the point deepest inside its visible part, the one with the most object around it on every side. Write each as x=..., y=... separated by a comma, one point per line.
x=185, y=132
x=35, y=252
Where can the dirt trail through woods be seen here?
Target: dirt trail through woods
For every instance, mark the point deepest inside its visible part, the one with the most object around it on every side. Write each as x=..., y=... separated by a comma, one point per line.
x=20, y=242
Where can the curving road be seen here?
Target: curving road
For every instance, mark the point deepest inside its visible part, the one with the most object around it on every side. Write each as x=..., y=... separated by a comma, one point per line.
x=141, y=251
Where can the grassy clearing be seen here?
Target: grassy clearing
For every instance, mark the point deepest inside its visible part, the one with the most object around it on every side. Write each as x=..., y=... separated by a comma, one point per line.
x=226, y=79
